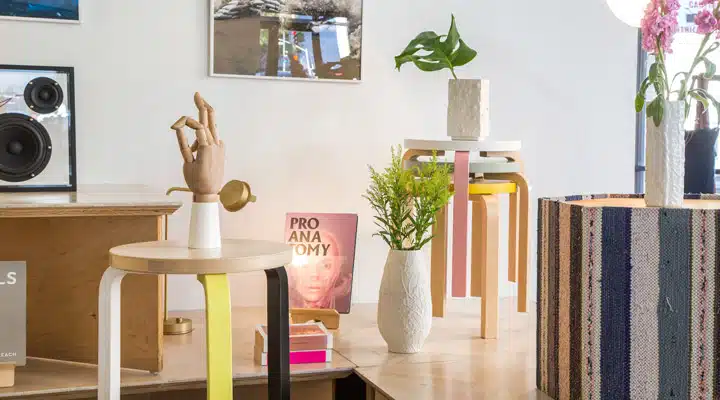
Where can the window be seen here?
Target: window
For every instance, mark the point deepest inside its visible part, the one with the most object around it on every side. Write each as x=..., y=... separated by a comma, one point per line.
x=684, y=49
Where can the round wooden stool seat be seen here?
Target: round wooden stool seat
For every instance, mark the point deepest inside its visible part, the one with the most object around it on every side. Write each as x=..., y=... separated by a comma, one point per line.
x=486, y=188
x=171, y=257
x=494, y=165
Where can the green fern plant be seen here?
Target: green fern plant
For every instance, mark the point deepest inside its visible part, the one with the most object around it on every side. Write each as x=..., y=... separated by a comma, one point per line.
x=406, y=201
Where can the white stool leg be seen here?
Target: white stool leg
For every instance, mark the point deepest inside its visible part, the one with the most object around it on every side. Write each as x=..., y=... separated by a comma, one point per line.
x=109, y=335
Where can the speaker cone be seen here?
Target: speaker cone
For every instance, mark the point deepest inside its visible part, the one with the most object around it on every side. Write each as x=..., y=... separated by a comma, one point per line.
x=25, y=148
x=43, y=95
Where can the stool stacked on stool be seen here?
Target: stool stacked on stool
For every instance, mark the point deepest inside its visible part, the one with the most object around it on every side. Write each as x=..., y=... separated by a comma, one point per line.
x=498, y=171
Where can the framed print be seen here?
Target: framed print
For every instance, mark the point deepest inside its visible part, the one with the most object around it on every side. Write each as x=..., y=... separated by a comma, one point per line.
x=319, y=40
x=63, y=11
x=321, y=272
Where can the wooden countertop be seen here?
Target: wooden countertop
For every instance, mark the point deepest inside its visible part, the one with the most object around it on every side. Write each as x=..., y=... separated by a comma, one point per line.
x=454, y=364
x=185, y=366
x=89, y=200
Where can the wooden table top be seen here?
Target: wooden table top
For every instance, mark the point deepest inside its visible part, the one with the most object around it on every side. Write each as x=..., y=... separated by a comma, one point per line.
x=89, y=200
x=185, y=366
x=692, y=204
x=454, y=364
x=174, y=257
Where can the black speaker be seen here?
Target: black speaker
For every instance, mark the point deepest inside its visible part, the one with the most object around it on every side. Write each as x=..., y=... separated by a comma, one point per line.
x=37, y=129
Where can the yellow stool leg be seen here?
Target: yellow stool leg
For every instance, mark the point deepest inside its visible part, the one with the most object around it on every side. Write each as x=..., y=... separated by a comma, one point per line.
x=218, y=328
x=438, y=263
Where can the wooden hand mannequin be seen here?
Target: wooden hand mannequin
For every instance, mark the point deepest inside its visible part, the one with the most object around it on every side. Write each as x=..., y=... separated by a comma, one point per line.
x=203, y=168
x=205, y=161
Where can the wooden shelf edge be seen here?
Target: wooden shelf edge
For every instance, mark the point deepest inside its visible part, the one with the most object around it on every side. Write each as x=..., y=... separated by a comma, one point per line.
x=54, y=212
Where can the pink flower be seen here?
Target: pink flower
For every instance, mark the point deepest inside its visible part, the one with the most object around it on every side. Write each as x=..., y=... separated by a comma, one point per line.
x=660, y=24
x=706, y=22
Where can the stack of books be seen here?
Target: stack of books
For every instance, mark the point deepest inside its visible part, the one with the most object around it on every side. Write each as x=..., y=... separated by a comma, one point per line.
x=309, y=343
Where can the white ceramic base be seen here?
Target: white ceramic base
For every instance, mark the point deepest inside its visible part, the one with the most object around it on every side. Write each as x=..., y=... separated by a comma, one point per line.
x=205, y=226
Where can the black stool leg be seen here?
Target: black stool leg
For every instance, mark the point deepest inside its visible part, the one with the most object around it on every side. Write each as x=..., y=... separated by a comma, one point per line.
x=279, y=335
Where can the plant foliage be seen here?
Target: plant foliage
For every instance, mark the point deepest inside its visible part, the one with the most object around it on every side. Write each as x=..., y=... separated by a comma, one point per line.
x=432, y=52
x=406, y=201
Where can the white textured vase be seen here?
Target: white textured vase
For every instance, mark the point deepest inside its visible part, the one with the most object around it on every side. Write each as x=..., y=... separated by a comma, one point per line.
x=205, y=226
x=468, y=109
x=665, y=158
x=405, y=308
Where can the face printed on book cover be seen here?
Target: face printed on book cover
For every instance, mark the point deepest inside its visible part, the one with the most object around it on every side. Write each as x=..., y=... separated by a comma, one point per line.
x=315, y=281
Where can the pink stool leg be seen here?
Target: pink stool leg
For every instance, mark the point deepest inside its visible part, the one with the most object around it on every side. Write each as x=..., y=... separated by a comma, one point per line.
x=460, y=224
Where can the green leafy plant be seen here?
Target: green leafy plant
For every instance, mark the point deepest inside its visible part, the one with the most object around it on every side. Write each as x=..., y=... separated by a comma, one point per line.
x=432, y=52
x=406, y=201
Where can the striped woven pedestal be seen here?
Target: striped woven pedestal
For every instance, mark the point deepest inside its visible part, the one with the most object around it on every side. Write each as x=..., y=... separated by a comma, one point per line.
x=628, y=301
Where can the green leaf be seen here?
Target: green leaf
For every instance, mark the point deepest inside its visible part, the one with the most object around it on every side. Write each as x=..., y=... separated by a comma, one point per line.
x=400, y=60
x=654, y=68
x=710, y=68
x=453, y=36
x=697, y=95
x=423, y=41
x=463, y=55
x=639, y=102
x=656, y=109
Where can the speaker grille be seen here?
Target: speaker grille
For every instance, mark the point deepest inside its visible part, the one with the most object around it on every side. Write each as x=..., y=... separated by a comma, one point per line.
x=43, y=95
x=25, y=147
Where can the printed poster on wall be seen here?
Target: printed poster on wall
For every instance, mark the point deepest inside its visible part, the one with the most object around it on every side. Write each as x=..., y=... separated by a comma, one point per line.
x=41, y=10
x=321, y=273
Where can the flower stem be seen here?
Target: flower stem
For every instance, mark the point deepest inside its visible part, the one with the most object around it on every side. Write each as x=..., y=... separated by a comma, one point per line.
x=452, y=70
x=696, y=61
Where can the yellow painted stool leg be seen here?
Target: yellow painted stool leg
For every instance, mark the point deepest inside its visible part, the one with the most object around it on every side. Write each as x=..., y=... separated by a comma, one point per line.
x=218, y=336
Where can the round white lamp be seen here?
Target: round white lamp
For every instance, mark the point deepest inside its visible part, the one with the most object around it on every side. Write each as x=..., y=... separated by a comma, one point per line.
x=628, y=11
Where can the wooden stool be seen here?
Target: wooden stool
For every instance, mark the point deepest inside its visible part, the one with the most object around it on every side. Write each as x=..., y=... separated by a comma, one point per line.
x=484, y=253
x=211, y=266
x=497, y=166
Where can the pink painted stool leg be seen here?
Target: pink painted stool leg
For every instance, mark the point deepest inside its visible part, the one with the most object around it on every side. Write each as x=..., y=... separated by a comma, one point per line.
x=460, y=224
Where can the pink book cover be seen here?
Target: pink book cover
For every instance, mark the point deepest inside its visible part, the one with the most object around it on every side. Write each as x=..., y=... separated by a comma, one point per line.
x=300, y=357
x=321, y=273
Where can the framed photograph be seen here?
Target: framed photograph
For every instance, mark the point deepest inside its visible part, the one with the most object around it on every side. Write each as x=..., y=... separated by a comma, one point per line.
x=321, y=272
x=62, y=11
x=318, y=40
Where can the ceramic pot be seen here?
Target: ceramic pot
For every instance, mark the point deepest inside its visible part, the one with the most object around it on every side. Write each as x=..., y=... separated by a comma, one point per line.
x=405, y=308
x=468, y=116
x=700, y=155
x=665, y=158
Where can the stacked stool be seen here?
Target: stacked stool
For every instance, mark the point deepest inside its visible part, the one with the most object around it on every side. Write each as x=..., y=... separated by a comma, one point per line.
x=498, y=171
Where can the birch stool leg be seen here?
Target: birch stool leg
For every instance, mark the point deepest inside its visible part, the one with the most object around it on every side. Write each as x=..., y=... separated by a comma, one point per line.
x=438, y=264
x=478, y=259
x=487, y=206
x=523, y=235
x=109, y=335
x=278, y=334
x=218, y=331
x=512, y=237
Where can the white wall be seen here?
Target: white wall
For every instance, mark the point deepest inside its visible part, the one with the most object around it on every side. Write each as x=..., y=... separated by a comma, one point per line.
x=562, y=73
